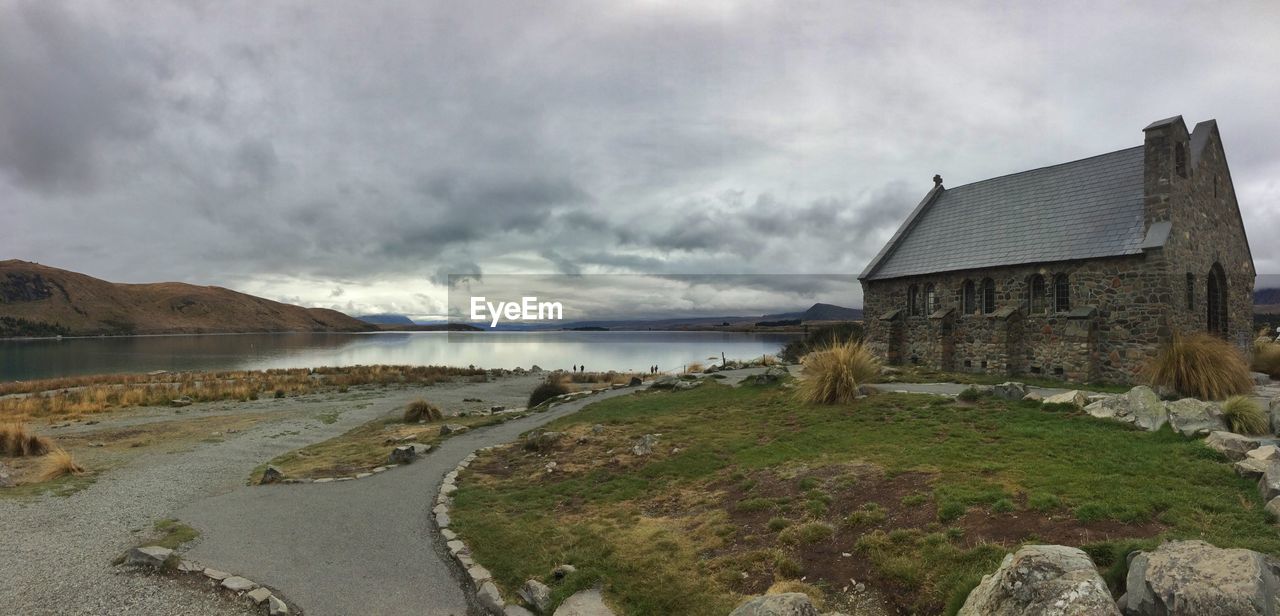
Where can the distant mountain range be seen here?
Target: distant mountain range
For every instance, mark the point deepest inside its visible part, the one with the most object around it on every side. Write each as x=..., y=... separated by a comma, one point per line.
x=386, y=319
x=819, y=312
x=38, y=300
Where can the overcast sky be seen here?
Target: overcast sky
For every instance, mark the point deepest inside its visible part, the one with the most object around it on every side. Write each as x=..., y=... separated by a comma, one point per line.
x=353, y=154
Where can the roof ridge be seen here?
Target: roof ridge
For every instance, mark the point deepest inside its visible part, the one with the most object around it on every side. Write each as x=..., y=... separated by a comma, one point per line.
x=1070, y=162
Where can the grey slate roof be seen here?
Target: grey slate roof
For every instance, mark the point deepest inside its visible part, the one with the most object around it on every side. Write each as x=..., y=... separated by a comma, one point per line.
x=1077, y=210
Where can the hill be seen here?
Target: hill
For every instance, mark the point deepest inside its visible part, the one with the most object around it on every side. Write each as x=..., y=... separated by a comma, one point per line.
x=386, y=319
x=38, y=300
x=819, y=312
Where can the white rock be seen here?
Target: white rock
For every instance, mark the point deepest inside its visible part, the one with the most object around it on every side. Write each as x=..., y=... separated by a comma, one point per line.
x=276, y=607
x=479, y=574
x=489, y=597
x=238, y=584
x=216, y=575
x=1074, y=397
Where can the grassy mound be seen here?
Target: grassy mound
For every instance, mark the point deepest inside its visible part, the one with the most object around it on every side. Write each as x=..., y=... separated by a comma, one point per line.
x=1201, y=366
x=421, y=410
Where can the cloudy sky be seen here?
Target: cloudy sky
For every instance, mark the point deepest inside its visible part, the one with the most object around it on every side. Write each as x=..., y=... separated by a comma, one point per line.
x=353, y=154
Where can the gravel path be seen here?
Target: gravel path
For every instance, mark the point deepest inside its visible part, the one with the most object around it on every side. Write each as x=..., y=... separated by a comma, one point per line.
x=56, y=552
x=355, y=547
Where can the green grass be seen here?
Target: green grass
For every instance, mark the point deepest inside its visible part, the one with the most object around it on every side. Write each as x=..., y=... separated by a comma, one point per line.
x=982, y=459
x=173, y=533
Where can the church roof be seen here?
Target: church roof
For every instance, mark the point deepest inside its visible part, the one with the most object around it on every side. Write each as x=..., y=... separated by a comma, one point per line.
x=1078, y=210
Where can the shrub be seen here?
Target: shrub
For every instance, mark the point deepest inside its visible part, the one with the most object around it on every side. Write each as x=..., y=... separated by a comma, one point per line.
x=15, y=441
x=549, y=389
x=970, y=394
x=1244, y=415
x=833, y=374
x=1202, y=366
x=821, y=338
x=778, y=523
x=421, y=410
x=1266, y=358
x=58, y=463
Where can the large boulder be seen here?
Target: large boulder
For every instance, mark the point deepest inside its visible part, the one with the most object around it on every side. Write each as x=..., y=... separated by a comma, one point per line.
x=782, y=604
x=1269, y=484
x=403, y=454
x=584, y=603
x=1252, y=468
x=644, y=445
x=665, y=381
x=1140, y=407
x=1185, y=578
x=148, y=556
x=1042, y=579
x=1074, y=397
x=1230, y=444
x=1190, y=416
x=1010, y=390
x=537, y=594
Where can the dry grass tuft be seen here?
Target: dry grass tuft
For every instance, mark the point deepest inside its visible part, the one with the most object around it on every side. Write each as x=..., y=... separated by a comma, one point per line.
x=1202, y=366
x=694, y=368
x=1244, y=415
x=815, y=594
x=59, y=463
x=832, y=375
x=421, y=410
x=15, y=441
x=554, y=386
x=1266, y=358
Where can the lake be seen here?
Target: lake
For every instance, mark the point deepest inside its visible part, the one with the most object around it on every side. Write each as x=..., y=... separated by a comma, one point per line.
x=598, y=351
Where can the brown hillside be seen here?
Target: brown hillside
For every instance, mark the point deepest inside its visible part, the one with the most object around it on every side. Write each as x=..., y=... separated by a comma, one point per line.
x=82, y=305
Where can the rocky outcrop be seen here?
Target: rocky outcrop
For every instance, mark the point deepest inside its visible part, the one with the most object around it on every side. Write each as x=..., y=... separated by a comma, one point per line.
x=1140, y=406
x=1230, y=444
x=271, y=475
x=1045, y=580
x=1191, y=417
x=1185, y=578
x=782, y=604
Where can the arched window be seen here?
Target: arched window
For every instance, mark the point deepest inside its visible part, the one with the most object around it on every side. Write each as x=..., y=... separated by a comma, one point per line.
x=1216, y=298
x=970, y=300
x=1035, y=294
x=913, y=300
x=1061, y=293
x=930, y=299
x=988, y=295
x=1180, y=159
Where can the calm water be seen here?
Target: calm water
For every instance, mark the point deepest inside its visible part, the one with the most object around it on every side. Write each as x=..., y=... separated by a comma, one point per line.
x=33, y=359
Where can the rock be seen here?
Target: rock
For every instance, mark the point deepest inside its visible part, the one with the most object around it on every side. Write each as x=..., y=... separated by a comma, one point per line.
x=1273, y=507
x=771, y=375
x=1273, y=413
x=1190, y=416
x=685, y=385
x=597, y=429
x=515, y=610
x=636, y=381
x=562, y=571
x=271, y=475
x=1269, y=485
x=1265, y=452
x=1252, y=468
x=783, y=604
x=644, y=446
x=6, y=480
x=180, y=402
x=402, y=454
x=1230, y=444
x=1260, y=378
x=666, y=381
x=1033, y=397
x=537, y=594
x=452, y=429
x=1009, y=390
x=1192, y=577
x=188, y=566
x=236, y=583
x=1108, y=407
x=584, y=603
x=456, y=546
x=149, y=556
x=1074, y=397
x=497, y=408
x=489, y=597
x=216, y=575
x=276, y=607
x=479, y=574
x=1041, y=579
x=1146, y=408
x=259, y=595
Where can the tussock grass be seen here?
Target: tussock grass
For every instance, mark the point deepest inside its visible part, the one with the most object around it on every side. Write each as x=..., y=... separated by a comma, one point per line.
x=550, y=388
x=16, y=441
x=75, y=396
x=421, y=410
x=1266, y=358
x=58, y=463
x=832, y=375
x=1244, y=415
x=694, y=368
x=1202, y=366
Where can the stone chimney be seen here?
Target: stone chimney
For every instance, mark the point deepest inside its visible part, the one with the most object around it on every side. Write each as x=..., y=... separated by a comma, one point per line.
x=1166, y=163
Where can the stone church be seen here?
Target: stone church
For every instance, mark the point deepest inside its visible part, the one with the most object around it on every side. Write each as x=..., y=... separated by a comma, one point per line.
x=1077, y=271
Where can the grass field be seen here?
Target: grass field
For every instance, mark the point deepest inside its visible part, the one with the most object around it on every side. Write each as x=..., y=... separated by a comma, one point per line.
x=748, y=488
